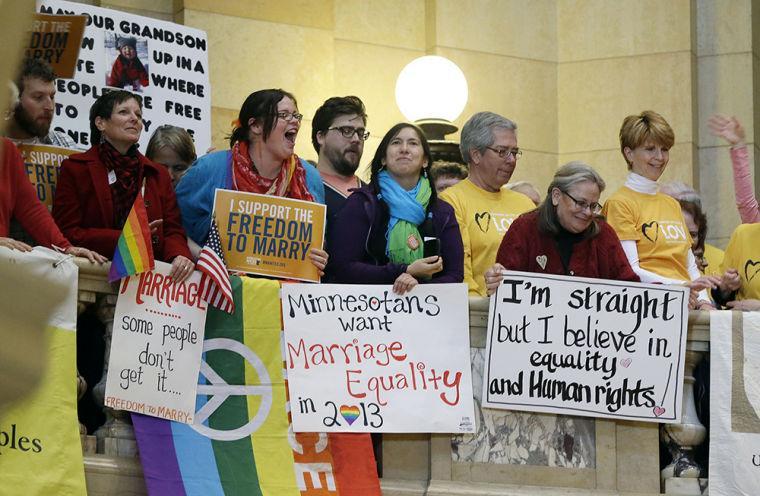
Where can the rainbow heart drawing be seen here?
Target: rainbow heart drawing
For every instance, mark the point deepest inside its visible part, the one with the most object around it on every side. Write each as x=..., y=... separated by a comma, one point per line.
x=350, y=413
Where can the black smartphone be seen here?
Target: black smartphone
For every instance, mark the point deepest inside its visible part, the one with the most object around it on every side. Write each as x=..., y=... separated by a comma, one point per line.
x=431, y=247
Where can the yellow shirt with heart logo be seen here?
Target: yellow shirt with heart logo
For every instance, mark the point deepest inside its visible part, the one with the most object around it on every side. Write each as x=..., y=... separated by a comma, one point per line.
x=656, y=223
x=484, y=217
x=743, y=255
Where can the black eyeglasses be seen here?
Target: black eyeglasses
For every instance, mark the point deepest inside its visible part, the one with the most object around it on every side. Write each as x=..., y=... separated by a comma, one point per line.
x=348, y=132
x=583, y=205
x=289, y=116
x=505, y=152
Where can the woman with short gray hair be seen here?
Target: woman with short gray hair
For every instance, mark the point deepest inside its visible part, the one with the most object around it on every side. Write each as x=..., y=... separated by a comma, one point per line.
x=565, y=235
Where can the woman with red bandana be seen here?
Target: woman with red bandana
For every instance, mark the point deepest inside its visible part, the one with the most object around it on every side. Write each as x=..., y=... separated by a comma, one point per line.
x=261, y=160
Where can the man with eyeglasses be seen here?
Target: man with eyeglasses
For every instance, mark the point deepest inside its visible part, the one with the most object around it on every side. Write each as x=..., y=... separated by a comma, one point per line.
x=338, y=132
x=483, y=208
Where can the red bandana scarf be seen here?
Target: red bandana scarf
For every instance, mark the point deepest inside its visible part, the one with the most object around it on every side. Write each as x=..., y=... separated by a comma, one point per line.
x=128, y=171
x=290, y=182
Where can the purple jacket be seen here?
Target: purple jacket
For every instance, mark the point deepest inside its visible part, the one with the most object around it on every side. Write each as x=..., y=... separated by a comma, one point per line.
x=357, y=242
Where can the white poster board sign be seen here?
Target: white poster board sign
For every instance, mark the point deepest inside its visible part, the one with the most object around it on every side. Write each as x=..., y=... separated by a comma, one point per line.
x=590, y=347
x=156, y=347
x=734, y=403
x=168, y=68
x=360, y=358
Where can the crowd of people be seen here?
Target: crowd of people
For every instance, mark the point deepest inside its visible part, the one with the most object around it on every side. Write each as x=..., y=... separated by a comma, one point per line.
x=415, y=221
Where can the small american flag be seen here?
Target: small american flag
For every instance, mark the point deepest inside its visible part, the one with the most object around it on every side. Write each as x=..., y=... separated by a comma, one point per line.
x=215, y=282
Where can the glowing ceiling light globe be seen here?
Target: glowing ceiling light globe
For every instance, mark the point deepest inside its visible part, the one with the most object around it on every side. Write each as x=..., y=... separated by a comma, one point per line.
x=431, y=87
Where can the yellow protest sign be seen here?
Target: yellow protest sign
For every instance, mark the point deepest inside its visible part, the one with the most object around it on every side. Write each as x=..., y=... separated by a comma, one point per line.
x=57, y=39
x=42, y=163
x=40, y=449
x=269, y=235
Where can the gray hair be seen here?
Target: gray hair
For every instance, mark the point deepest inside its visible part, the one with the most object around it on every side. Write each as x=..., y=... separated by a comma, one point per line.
x=681, y=191
x=573, y=173
x=566, y=176
x=477, y=132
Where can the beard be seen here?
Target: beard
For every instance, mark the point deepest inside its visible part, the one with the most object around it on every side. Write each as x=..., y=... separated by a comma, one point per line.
x=342, y=164
x=29, y=125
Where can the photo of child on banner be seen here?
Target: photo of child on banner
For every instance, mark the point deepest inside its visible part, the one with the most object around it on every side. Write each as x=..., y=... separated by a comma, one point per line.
x=128, y=62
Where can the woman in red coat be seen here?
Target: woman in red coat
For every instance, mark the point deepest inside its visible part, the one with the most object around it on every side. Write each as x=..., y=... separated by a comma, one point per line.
x=96, y=189
x=564, y=235
x=18, y=200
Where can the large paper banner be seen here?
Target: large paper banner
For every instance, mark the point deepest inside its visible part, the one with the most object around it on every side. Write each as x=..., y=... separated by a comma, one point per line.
x=269, y=235
x=156, y=346
x=40, y=448
x=57, y=39
x=43, y=163
x=363, y=359
x=734, y=403
x=589, y=347
x=165, y=63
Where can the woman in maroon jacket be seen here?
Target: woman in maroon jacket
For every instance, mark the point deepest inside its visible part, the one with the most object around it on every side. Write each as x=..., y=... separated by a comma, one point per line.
x=564, y=235
x=96, y=189
x=18, y=200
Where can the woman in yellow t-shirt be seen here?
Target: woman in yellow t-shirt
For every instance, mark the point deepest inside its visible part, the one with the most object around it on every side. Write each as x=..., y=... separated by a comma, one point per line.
x=743, y=256
x=650, y=225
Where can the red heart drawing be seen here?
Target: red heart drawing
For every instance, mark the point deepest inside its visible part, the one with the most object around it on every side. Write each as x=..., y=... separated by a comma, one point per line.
x=625, y=362
x=658, y=410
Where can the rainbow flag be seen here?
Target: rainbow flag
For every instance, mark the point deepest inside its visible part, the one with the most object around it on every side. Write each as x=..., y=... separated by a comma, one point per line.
x=134, y=252
x=240, y=444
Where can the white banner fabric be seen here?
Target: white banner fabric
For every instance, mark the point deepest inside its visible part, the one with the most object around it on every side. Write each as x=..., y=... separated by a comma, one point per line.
x=169, y=69
x=734, y=403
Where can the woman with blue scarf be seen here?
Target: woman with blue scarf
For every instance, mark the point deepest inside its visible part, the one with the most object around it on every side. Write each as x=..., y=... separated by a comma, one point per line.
x=386, y=227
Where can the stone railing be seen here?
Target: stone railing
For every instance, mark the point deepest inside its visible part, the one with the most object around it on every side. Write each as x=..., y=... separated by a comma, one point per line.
x=515, y=454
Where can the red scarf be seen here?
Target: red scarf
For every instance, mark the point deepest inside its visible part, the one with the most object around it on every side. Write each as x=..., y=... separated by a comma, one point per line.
x=128, y=174
x=289, y=183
